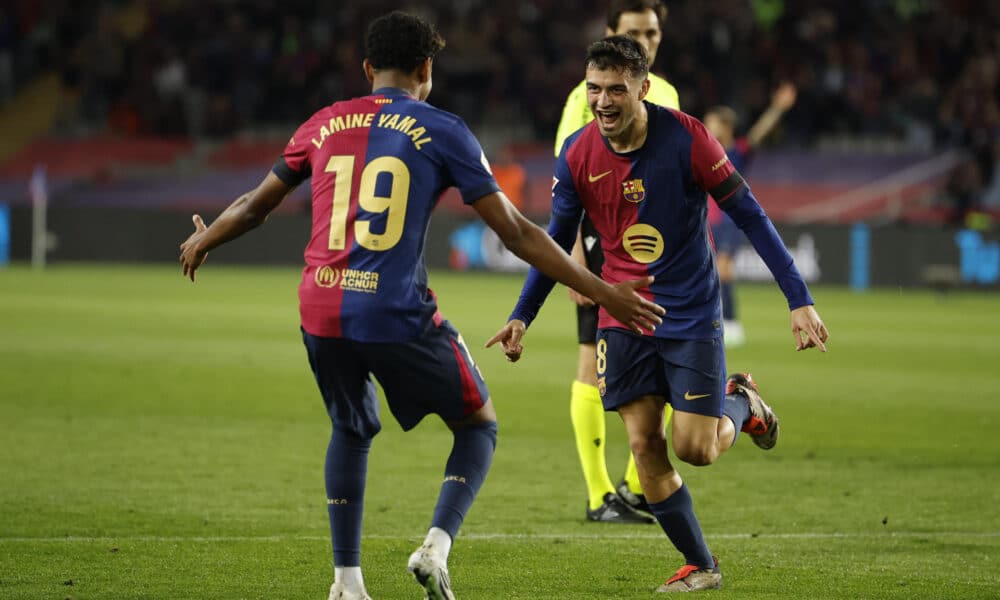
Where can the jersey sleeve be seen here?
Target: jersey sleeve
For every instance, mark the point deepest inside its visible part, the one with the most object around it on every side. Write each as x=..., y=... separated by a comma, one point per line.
x=710, y=166
x=565, y=199
x=743, y=208
x=713, y=171
x=563, y=226
x=466, y=164
x=576, y=113
x=293, y=166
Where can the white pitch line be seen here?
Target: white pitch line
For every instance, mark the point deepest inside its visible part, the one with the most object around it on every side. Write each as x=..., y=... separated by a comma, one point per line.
x=502, y=536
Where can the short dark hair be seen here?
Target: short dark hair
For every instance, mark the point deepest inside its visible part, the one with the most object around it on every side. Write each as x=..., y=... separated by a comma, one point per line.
x=623, y=6
x=401, y=41
x=619, y=52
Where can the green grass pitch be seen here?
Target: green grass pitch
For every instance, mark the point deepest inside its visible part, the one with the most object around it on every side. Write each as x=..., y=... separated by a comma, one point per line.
x=165, y=440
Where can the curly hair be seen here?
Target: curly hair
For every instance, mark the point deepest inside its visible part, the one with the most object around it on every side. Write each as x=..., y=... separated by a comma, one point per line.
x=619, y=52
x=401, y=41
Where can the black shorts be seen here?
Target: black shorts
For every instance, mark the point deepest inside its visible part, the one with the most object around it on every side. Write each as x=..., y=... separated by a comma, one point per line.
x=586, y=316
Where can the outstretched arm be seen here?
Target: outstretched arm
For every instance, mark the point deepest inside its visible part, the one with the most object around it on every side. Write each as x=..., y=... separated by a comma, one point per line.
x=782, y=100
x=247, y=212
x=807, y=327
x=717, y=176
x=551, y=260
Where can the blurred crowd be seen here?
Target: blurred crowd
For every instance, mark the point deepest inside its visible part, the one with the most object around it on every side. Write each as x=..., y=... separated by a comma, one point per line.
x=925, y=73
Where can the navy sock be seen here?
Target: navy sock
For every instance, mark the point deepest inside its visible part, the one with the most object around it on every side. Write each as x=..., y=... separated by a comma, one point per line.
x=468, y=464
x=346, y=471
x=737, y=408
x=676, y=517
x=728, y=302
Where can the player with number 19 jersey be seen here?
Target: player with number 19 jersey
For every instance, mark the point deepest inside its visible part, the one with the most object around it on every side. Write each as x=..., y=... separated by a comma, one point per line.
x=649, y=207
x=379, y=164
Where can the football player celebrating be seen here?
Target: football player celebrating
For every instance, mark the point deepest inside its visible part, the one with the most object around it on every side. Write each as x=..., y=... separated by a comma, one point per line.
x=642, y=20
x=643, y=173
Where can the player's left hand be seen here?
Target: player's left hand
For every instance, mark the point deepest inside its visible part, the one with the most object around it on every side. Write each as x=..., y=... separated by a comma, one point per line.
x=510, y=339
x=808, y=329
x=191, y=256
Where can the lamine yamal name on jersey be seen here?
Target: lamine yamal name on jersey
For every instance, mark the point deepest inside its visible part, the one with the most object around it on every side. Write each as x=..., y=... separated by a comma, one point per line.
x=404, y=124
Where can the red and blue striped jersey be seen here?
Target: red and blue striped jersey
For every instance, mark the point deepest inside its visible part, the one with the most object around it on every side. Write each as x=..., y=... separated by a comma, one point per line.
x=378, y=164
x=650, y=208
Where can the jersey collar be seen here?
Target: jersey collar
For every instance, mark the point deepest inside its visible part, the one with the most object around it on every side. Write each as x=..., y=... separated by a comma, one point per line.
x=392, y=91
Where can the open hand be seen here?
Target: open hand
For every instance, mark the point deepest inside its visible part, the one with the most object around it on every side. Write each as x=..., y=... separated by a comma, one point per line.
x=191, y=257
x=625, y=304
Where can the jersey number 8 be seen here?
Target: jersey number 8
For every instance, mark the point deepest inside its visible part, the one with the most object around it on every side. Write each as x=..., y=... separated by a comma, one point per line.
x=394, y=205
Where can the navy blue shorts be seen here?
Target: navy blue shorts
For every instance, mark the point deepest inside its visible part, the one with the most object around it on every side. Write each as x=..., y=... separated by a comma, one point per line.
x=432, y=374
x=689, y=374
x=727, y=236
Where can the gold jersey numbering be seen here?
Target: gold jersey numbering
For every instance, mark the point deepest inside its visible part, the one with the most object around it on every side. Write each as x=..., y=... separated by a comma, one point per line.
x=394, y=205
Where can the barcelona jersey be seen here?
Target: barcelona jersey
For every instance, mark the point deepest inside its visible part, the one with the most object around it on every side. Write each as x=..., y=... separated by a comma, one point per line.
x=649, y=207
x=378, y=164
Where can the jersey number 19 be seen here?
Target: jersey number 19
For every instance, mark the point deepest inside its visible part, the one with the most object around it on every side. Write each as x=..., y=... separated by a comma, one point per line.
x=394, y=205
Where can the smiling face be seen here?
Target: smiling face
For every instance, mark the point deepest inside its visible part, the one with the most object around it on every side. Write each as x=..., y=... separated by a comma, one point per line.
x=615, y=98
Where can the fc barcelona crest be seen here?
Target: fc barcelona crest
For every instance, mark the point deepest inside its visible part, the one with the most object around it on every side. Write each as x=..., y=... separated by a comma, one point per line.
x=633, y=190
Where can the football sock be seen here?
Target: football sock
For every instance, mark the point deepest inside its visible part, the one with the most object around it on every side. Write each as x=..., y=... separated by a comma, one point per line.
x=439, y=542
x=467, y=466
x=632, y=476
x=631, y=473
x=728, y=302
x=349, y=576
x=587, y=414
x=346, y=470
x=676, y=517
x=737, y=408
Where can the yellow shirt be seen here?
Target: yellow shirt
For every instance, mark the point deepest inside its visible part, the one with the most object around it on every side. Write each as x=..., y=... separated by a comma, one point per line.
x=576, y=113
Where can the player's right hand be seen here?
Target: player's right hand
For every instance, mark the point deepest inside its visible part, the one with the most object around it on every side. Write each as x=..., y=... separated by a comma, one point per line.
x=625, y=304
x=510, y=339
x=191, y=256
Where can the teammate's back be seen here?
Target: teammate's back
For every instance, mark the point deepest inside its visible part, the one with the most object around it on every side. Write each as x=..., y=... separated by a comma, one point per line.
x=378, y=164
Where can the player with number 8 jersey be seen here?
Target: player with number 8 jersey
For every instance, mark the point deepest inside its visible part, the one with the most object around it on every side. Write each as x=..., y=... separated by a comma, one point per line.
x=364, y=277
x=642, y=173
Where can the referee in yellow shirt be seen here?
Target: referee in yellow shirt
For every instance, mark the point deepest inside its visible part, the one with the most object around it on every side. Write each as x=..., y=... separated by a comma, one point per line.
x=642, y=20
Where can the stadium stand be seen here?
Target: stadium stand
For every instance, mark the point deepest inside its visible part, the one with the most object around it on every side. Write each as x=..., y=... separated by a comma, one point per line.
x=129, y=89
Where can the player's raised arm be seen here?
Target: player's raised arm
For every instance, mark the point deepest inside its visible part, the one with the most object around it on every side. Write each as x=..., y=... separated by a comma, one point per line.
x=245, y=213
